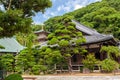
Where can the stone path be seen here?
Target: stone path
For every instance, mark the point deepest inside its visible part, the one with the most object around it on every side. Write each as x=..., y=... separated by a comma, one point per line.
x=78, y=78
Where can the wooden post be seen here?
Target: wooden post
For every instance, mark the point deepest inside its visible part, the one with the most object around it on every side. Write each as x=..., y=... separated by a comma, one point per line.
x=55, y=68
x=88, y=47
x=69, y=65
x=101, y=55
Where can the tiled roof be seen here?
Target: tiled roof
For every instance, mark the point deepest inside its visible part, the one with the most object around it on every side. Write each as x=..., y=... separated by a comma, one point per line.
x=97, y=38
x=41, y=31
x=10, y=45
x=89, y=40
x=92, y=37
x=85, y=29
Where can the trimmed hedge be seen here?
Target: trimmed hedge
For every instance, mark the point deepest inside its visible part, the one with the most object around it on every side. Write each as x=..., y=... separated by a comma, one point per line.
x=14, y=77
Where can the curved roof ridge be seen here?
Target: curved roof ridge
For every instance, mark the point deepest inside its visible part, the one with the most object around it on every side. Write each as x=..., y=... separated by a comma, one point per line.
x=11, y=45
x=85, y=29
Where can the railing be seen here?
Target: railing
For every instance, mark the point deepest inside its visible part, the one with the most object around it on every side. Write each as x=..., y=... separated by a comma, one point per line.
x=116, y=72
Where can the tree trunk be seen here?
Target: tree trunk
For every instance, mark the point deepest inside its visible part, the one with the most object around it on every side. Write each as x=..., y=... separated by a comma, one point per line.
x=69, y=65
x=9, y=5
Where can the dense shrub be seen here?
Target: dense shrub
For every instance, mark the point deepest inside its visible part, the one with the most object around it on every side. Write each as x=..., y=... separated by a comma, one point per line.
x=36, y=69
x=108, y=65
x=90, y=62
x=14, y=77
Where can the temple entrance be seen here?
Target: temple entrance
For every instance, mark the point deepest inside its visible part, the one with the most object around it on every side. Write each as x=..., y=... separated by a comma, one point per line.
x=97, y=55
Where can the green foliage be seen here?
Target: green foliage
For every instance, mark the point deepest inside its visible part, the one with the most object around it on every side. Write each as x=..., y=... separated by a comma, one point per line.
x=71, y=24
x=47, y=57
x=65, y=35
x=24, y=60
x=53, y=41
x=90, y=62
x=21, y=38
x=111, y=50
x=36, y=27
x=50, y=36
x=99, y=19
x=114, y=4
x=109, y=65
x=16, y=16
x=65, y=31
x=36, y=61
x=67, y=55
x=43, y=68
x=79, y=34
x=49, y=23
x=27, y=40
x=1, y=66
x=76, y=50
x=31, y=38
x=63, y=43
x=1, y=47
x=99, y=15
x=36, y=69
x=29, y=7
x=58, y=22
x=14, y=77
x=80, y=40
x=12, y=22
x=57, y=31
x=7, y=61
x=71, y=28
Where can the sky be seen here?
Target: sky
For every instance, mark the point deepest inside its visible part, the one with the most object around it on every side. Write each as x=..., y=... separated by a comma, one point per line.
x=60, y=7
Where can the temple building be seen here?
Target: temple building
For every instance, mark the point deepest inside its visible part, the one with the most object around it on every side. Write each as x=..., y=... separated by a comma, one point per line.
x=94, y=42
x=10, y=45
x=41, y=36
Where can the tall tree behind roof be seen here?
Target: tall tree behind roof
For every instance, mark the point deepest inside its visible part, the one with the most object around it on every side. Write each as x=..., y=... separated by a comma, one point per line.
x=102, y=16
x=16, y=16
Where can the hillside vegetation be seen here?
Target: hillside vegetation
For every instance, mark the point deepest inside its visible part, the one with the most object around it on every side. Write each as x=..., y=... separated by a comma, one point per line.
x=103, y=16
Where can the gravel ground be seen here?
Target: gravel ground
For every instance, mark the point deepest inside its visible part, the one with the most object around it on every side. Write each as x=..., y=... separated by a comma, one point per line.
x=78, y=78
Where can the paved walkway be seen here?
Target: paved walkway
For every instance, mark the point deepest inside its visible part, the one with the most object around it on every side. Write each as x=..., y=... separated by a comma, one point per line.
x=78, y=78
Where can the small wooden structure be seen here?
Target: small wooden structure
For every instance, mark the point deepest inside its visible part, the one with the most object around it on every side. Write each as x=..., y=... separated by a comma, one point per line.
x=42, y=36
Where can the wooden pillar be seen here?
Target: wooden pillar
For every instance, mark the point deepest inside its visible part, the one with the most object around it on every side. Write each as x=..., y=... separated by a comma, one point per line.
x=88, y=47
x=69, y=65
x=101, y=54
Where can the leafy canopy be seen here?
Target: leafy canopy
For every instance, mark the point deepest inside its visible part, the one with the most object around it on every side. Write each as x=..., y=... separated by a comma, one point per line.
x=29, y=7
x=90, y=61
x=111, y=50
x=103, y=16
x=109, y=65
x=68, y=39
x=7, y=62
x=16, y=15
x=14, y=77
